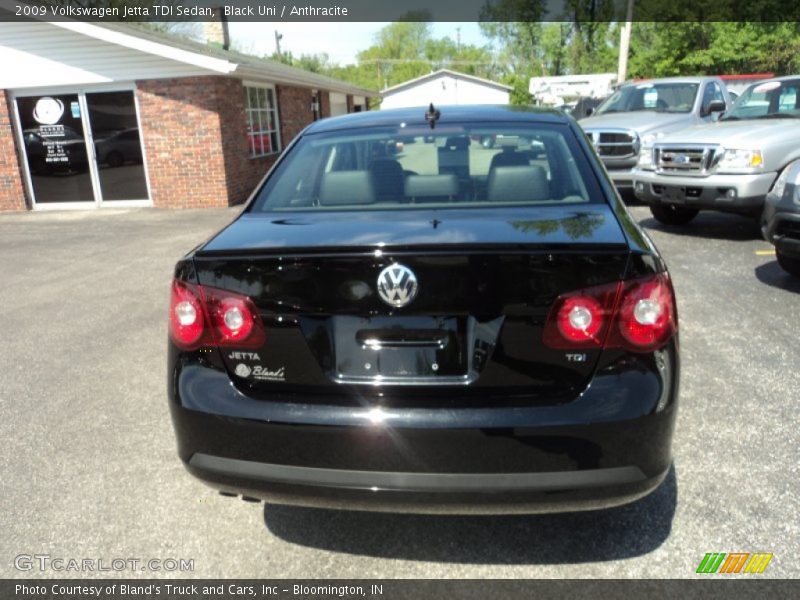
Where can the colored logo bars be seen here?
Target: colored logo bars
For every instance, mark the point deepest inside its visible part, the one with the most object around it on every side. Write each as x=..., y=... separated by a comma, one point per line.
x=736, y=562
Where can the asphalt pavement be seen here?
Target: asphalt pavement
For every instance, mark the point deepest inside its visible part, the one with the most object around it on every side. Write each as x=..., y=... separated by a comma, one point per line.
x=89, y=468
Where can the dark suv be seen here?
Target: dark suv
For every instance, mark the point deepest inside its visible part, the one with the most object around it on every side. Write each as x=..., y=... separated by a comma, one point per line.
x=445, y=327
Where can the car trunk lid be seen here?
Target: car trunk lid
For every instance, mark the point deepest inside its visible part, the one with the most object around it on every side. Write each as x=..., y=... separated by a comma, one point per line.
x=486, y=281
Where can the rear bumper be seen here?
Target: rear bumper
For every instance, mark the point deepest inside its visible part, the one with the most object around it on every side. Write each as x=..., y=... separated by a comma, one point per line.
x=462, y=493
x=609, y=446
x=713, y=192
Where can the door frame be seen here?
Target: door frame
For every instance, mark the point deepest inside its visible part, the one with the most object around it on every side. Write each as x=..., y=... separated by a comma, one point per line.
x=88, y=136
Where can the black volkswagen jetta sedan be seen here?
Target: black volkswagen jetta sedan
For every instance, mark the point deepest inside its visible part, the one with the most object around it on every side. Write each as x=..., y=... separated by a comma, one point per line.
x=404, y=319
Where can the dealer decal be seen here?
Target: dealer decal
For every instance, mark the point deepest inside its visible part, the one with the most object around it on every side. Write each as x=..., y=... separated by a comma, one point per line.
x=260, y=373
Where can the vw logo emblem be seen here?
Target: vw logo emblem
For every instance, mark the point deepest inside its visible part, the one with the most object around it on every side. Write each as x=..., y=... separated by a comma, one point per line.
x=397, y=285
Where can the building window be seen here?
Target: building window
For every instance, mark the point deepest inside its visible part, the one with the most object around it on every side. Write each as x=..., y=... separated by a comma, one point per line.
x=261, y=110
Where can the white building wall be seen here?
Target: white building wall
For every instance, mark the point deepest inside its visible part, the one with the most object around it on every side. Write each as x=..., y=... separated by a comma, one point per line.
x=444, y=90
x=44, y=55
x=338, y=104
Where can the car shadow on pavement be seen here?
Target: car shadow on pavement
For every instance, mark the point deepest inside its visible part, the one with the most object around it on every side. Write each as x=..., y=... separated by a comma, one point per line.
x=773, y=275
x=628, y=197
x=712, y=225
x=626, y=531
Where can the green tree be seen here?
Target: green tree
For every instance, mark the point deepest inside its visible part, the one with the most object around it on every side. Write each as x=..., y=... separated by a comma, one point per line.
x=590, y=48
x=664, y=49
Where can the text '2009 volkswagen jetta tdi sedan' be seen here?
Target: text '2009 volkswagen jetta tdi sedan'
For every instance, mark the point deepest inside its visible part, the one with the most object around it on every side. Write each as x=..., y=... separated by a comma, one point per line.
x=404, y=319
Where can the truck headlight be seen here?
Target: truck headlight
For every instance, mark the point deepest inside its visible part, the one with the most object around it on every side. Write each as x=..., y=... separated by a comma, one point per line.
x=646, y=151
x=645, y=157
x=737, y=160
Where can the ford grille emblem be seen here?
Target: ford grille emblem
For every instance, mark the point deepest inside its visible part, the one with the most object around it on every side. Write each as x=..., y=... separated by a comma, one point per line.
x=397, y=285
x=680, y=159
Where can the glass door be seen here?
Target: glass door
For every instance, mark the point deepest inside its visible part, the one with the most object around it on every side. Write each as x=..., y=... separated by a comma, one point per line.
x=118, y=148
x=58, y=131
x=55, y=145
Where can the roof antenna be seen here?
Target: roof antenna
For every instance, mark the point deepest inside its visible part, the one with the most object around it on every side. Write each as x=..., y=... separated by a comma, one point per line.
x=432, y=115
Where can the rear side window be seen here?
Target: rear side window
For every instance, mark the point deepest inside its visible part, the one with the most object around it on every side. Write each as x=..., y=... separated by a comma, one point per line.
x=369, y=169
x=768, y=99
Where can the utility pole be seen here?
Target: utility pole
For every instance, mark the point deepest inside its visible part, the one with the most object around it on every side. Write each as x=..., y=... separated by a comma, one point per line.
x=624, y=45
x=278, y=38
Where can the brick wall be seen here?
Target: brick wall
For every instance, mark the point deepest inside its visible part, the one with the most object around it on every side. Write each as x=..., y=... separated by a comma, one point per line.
x=325, y=104
x=242, y=172
x=181, y=133
x=12, y=192
x=194, y=132
x=294, y=106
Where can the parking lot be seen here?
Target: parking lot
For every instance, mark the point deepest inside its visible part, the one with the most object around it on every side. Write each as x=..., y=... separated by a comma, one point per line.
x=89, y=467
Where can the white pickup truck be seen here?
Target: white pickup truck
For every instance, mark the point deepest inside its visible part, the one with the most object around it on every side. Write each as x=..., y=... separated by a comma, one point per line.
x=729, y=165
x=639, y=113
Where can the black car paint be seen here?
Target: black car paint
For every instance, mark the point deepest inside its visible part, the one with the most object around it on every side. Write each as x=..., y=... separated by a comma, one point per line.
x=781, y=217
x=525, y=411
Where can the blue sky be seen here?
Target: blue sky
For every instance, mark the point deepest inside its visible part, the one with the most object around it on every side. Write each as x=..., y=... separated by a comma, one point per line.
x=341, y=41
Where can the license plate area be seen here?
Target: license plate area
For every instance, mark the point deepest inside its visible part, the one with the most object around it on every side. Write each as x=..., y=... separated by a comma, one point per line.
x=400, y=349
x=673, y=194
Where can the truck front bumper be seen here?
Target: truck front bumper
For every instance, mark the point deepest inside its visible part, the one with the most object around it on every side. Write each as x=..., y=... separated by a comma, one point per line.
x=731, y=193
x=622, y=178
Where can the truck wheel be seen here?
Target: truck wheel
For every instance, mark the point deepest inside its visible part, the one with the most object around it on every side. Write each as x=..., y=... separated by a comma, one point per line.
x=669, y=214
x=788, y=264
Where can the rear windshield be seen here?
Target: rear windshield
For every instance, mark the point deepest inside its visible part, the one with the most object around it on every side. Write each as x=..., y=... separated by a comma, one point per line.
x=372, y=169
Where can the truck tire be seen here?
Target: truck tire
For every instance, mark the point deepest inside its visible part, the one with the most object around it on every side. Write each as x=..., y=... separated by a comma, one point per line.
x=788, y=264
x=669, y=214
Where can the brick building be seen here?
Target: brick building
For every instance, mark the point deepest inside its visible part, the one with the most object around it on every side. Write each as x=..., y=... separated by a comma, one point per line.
x=95, y=116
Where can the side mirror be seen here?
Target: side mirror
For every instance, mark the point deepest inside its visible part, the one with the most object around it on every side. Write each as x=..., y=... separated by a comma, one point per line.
x=715, y=106
x=589, y=111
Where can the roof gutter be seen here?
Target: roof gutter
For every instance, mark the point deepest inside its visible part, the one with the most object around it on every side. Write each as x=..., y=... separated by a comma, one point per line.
x=299, y=79
x=210, y=63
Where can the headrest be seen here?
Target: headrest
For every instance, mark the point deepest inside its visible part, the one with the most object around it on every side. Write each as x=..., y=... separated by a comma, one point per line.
x=518, y=184
x=346, y=187
x=509, y=158
x=457, y=143
x=422, y=186
x=386, y=166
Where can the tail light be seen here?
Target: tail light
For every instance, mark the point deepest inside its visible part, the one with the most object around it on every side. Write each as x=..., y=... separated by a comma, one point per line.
x=187, y=326
x=645, y=314
x=206, y=316
x=580, y=320
x=637, y=315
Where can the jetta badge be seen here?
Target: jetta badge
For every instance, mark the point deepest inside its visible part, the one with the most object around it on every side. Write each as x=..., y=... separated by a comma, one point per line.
x=397, y=285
